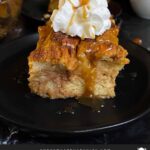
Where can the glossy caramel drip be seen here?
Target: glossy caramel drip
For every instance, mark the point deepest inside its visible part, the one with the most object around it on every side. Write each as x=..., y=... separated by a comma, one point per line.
x=85, y=15
x=70, y=23
x=88, y=73
x=84, y=2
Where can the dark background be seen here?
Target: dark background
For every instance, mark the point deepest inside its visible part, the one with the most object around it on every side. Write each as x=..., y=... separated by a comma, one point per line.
x=135, y=133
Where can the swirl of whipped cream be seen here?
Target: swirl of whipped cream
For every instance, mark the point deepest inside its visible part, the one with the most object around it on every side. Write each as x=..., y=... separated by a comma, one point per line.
x=83, y=18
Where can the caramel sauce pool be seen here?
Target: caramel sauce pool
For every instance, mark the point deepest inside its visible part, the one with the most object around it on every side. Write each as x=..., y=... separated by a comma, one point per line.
x=95, y=104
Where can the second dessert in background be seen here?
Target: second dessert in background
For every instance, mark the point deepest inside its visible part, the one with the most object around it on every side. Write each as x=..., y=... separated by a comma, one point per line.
x=9, y=12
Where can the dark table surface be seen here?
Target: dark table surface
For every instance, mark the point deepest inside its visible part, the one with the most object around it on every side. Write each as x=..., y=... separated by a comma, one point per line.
x=136, y=133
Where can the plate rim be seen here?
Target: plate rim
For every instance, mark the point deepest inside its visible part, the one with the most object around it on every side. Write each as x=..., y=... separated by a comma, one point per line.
x=77, y=132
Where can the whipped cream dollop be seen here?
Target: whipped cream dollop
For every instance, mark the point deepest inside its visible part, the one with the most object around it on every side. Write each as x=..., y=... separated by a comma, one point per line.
x=83, y=18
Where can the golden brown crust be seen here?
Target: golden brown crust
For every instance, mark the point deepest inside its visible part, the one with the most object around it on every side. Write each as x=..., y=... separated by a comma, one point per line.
x=56, y=48
x=59, y=48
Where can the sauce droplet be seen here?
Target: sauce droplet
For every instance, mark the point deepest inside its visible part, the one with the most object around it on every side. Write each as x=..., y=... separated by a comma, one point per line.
x=137, y=41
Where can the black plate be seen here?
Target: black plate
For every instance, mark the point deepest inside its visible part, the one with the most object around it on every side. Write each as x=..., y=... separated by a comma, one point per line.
x=19, y=106
x=36, y=9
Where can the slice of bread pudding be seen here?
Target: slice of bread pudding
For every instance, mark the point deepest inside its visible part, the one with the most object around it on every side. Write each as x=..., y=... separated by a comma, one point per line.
x=62, y=66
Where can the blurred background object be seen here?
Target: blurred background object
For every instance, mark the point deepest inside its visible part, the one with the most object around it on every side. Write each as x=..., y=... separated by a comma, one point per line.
x=141, y=7
x=35, y=9
x=9, y=12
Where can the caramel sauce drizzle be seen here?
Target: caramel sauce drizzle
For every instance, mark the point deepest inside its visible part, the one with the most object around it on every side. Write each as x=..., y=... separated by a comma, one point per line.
x=70, y=23
x=88, y=71
x=84, y=2
x=85, y=15
x=89, y=76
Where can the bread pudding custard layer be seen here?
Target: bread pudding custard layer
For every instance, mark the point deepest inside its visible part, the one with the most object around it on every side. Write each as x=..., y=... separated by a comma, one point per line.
x=62, y=66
